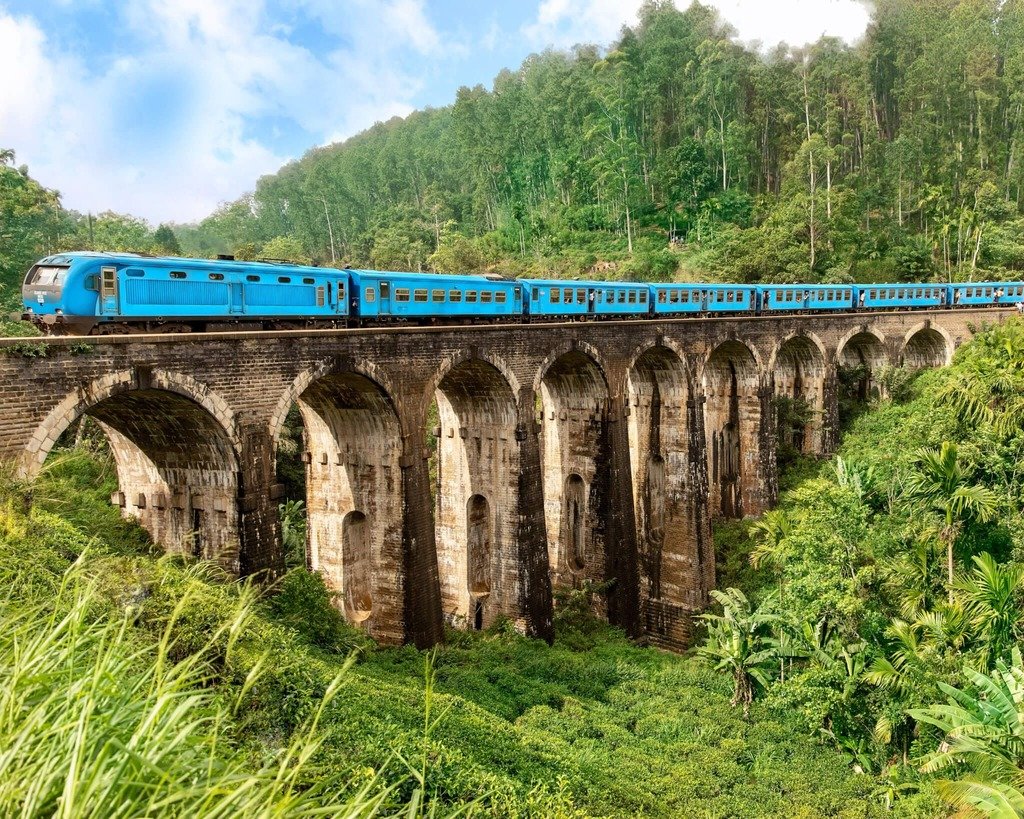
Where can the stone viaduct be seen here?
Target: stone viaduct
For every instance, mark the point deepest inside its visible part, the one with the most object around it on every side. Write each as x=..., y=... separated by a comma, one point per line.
x=557, y=454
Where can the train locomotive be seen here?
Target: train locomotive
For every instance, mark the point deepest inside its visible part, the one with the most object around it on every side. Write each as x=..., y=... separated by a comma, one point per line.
x=84, y=293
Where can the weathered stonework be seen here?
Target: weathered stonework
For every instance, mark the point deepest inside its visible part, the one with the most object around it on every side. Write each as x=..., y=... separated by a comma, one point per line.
x=589, y=451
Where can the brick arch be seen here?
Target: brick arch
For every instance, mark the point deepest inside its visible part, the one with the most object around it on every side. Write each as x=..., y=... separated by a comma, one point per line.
x=364, y=367
x=457, y=359
x=76, y=404
x=574, y=346
x=926, y=344
x=812, y=338
x=669, y=344
x=354, y=495
x=735, y=343
x=176, y=453
x=477, y=503
x=862, y=330
x=672, y=524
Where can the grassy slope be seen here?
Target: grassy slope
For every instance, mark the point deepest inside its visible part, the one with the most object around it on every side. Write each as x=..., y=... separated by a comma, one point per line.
x=590, y=726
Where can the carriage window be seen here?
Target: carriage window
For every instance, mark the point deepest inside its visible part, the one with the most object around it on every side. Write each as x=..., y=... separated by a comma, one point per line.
x=284, y=279
x=632, y=297
x=536, y=294
x=730, y=296
x=643, y=297
x=437, y=295
x=556, y=295
x=321, y=297
x=251, y=278
x=610, y=296
x=581, y=296
x=371, y=295
x=401, y=294
x=306, y=280
x=471, y=296
x=675, y=296
x=500, y=297
x=219, y=277
x=661, y=297
x=455, y=296
x=178, y=274
x=485, y=296
x=419, y=295
x=684, y=297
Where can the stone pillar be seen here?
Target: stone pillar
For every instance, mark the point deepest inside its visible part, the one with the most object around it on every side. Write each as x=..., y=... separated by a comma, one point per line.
x=531, y=535
x=830, y=410
x=423, y=621
x=260, y=551
x=620, y=542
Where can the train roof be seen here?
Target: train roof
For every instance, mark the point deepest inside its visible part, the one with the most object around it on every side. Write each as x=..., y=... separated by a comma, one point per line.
x=182, y=262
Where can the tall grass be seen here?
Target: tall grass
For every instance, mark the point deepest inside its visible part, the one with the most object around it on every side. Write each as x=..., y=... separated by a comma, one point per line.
x=97, y=719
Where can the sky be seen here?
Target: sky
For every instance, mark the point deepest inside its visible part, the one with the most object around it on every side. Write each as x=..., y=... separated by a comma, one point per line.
x=166, y=108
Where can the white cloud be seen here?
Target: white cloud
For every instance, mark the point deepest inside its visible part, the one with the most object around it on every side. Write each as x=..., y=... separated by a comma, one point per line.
x=564, y=23
x=171, y=131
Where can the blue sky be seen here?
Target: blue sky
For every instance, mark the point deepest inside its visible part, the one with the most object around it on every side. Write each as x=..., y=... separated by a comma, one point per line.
x=166, y=108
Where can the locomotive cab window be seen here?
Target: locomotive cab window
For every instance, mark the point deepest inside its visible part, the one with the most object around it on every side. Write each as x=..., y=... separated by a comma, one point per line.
x=370, y=295
x=216, y=277
x=108, y=281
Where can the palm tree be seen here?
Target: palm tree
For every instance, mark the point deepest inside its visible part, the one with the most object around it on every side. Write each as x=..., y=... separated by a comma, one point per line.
x=940, y=484
x=984, y=731
x=740, y=640
x=990, y=597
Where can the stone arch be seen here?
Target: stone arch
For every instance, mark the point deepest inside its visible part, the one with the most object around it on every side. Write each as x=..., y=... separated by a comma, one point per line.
x=352, y=447
x=477, y=498
x=862, y=349
x=573, y=399
x=301, y=382
x=672, y=528
x=926, y=346
x=584, y=348
x=452, y=362
x=175, y=452
x=798, y=377
x=732, y=420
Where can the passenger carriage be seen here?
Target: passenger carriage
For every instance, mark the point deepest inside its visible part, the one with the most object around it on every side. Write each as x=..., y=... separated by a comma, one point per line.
x=783, y=298
x=559, y=298
x=682, y=299
x=985, y=293
x=385, y=296
x=900, y=296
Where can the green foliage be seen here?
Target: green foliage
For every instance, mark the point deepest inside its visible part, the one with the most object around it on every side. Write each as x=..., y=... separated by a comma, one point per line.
x=302, y=602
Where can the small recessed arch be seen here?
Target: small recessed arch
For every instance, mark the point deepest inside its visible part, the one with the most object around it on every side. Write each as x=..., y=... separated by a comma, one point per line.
x=357, y=566
x=574, y=522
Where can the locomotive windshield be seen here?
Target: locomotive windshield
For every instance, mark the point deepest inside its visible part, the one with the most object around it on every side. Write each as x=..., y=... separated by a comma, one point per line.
x=47, y=275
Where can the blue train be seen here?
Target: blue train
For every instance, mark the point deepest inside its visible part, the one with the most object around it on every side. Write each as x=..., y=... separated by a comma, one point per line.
x=84, y=292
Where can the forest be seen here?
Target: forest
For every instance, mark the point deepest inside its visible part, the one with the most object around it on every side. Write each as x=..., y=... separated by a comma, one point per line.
x=674, y=152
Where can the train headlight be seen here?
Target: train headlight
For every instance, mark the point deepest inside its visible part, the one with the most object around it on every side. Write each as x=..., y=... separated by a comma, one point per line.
x=40, y=298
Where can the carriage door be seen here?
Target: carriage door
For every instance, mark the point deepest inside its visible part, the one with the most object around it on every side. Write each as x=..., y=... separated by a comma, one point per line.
x=109, y=301
x=237, y=300
x=385, y=298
